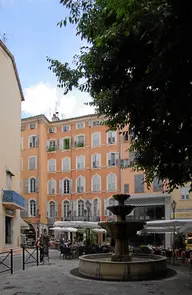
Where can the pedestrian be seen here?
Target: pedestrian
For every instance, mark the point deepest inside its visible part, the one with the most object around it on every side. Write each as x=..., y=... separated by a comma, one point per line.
x=40, y=245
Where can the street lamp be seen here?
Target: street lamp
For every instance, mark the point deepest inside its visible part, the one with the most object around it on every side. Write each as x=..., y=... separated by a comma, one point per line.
x=88, y=206
x=173, y=206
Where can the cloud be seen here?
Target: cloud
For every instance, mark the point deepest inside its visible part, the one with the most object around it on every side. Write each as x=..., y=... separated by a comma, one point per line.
x=43, y=98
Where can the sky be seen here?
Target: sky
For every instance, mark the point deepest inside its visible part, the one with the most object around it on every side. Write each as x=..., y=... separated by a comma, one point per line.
x=31, y=35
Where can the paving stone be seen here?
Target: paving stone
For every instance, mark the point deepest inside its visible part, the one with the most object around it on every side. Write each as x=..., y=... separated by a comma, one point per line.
x=56, y=279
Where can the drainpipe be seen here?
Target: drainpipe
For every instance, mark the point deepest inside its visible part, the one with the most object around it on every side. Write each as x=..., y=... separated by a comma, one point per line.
x=38, y=174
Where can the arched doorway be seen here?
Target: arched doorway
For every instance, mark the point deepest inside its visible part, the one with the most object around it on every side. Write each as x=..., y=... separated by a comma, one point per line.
x=29, y=233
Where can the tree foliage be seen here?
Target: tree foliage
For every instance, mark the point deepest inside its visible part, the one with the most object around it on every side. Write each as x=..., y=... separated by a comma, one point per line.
x=137, y=67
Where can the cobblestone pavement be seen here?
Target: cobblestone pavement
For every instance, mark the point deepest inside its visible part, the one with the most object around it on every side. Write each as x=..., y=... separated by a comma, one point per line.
x=55, y=279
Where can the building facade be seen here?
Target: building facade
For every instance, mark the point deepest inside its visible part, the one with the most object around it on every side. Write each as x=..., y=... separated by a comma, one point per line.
x=10, y=119
x=71, y=168
x=183, y=199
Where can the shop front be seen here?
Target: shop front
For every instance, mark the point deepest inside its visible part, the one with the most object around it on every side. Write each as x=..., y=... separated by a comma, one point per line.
x=10, y=220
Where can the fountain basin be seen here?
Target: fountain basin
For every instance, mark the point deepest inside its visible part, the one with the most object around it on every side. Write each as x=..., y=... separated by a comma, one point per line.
x=142, y=267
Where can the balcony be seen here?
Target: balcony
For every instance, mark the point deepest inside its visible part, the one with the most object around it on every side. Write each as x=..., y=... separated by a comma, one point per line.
x=13, y=200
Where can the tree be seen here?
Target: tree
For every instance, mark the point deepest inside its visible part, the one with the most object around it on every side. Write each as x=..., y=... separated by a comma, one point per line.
x=137, y=67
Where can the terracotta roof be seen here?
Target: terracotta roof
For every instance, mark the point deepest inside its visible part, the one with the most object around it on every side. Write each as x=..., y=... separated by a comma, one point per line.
x=15, y=68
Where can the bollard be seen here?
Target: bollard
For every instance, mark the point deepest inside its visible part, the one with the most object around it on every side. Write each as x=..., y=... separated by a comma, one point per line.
x=11, y=251
x=23, y=258
x=37, y=257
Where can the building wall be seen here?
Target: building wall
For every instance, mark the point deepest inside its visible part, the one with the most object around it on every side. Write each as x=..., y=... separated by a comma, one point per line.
x=44, y=153
x=10, y=114
x=183, y=200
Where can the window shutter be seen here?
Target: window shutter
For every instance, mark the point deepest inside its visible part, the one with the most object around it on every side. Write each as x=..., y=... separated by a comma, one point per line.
x=47, y=145
x=116, y=158
x=70, y=186
x=61, y=190
x=26, y=211
x=99, y=208
x=70, y=207
x=121, y=163
x=48, y=209
x=139, y=183
x=56, y=209
x=36, y=185
x=26, y=186
x=106, y=212
x=36, y=140
x=37, y=207
x=75, y=211
x=75, y=141
x=61, y=143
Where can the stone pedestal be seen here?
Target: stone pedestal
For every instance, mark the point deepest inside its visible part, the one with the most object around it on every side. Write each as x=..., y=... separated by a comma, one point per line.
x=121, y=251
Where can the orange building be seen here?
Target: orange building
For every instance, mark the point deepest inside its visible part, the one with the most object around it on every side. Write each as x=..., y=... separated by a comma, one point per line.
x=71, y=168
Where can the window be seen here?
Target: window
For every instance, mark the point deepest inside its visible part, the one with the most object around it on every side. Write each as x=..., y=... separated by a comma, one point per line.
x=32, y=208
x=32, y=185
x=111, y=137
x=157, y=185
x=111, y=182
x=81, y=208
x=51, y=145
x=95, y=207
x=33, y=141
x=32, y=126
x=66, y=186
x=22, y=127
x=96, y=123
x=52, y=130
x=112, y=159
x=79, y=141
x=65, y=143
x=96, y=160
x=66, y=164
x=80, y=125
x=52, y=209
x=80, y=184
x=52, y=165
x=21, y=164
x=21, y=143
x=96, y=139
x=126, y=136
x=131, y=158
x=51, y=187
x=126, y=188
x=9, y=180
x=185, y=195
x=96, y=183
x=32, y=163
x=139, y=183
x=80, y=162
x=66, y=209
x=124, y=163
x=66, y=128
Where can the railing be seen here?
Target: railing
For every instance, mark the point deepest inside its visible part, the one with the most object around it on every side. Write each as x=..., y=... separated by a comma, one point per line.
x=13, y=197
x=8, y=265
x=34, y=255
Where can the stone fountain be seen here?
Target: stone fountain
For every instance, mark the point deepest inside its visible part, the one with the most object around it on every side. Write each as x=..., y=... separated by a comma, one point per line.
x=121, y=230
x=120, y=265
